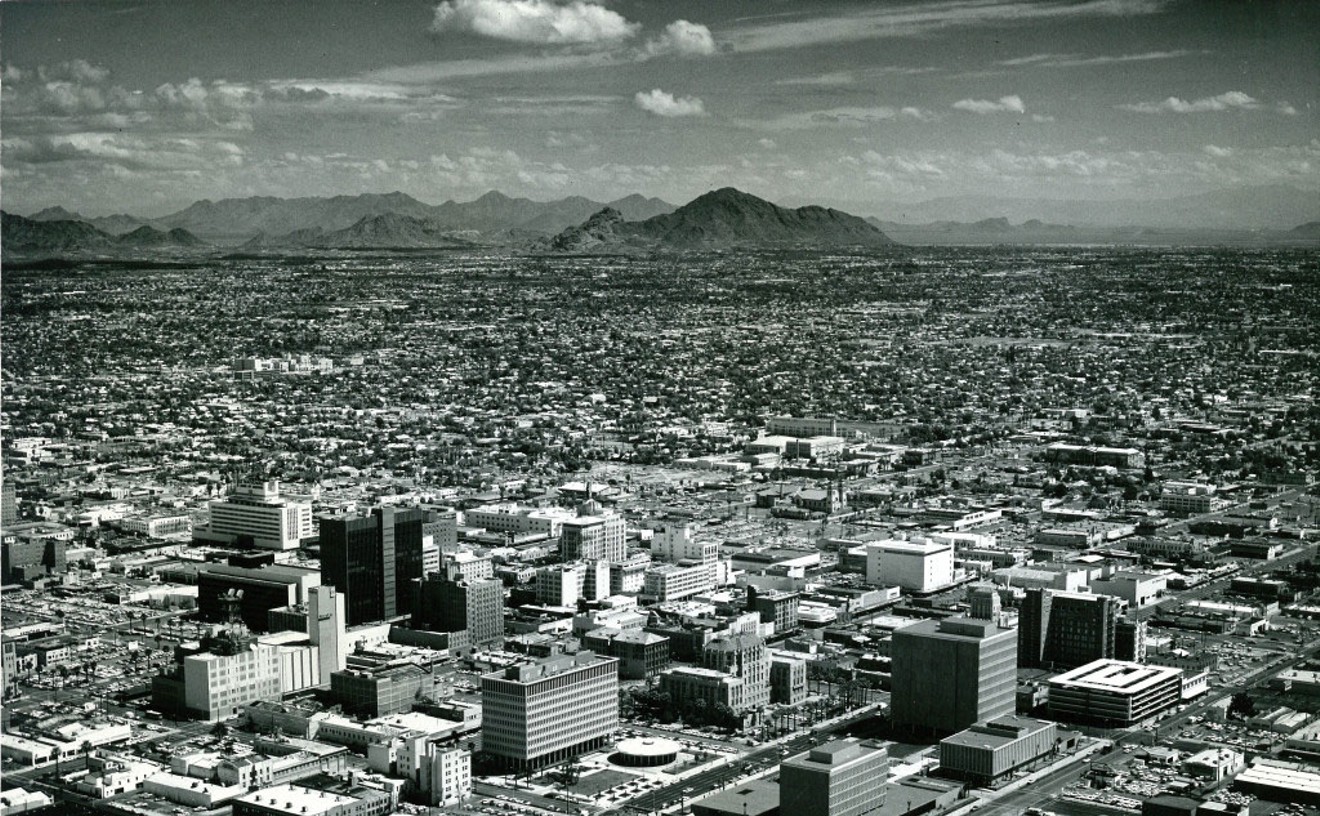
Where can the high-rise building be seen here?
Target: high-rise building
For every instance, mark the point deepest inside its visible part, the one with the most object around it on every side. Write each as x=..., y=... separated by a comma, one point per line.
x=538, y=714
x=255, y=514
x=1063, y=630
x=594, y=535
x=948, y=674
x=746, y=657
x=374, y=560
x=840, y=778
x=454, y=602
x=232, y=672
x=326, y=625
x=8, y=503
x=1130, y=641
x=984, y=602
x=775, y=606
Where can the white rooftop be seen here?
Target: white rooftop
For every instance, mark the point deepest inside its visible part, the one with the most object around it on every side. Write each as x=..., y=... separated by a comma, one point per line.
x=1115, y=676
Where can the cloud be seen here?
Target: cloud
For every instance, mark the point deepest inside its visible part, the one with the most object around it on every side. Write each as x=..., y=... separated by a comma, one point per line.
x=540, y=22
x=1231, y=100
x=848, y=115
x=1218, y=152
x=683, y=39
x=662, y=103
x=1075, y=60
x=767, y=144
x=1006, y=104
x=887, y=20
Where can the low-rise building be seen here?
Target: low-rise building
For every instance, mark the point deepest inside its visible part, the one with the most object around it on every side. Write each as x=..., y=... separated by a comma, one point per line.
x=1114, y=693
x=990, y=751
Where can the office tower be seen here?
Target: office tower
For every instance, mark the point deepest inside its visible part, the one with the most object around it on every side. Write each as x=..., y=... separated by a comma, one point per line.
x=326, y=623
x=1063, y=630
x=255, y=514
x=840, y=778
x=560, y=584
x=8, y=503
x=257, y=591
x=593, y=535
x=746, y=657
x=538, y=714
x=373, y=560
x=950, y=673
x=1130, y=641
x=452, y=603
x=984, y=602
x=774, y=606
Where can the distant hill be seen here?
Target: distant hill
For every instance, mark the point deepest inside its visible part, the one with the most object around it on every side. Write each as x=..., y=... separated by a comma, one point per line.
x=24, y=236
x=1309, y=231
x=718, y=219
x=64, y=237
x=114, y=224
x=243, y=218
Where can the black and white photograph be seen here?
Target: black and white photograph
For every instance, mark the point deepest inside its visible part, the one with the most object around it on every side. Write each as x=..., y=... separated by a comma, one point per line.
x=674, y=407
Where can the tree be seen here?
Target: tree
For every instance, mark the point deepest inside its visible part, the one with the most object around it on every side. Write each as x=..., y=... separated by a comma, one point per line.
x=1242, y=704
x=220, y=730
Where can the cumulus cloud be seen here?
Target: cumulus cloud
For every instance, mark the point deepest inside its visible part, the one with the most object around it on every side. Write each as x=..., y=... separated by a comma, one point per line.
x=683, y=39
x=767, y=144
x=1231, y=100
x=1006, y=104
x=534, y=21
x=1218, y=152
x=662, y=103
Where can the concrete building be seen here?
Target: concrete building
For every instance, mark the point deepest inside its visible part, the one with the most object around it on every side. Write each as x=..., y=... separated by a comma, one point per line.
x=258, y=591
x=594, y=536
x=454, y=602
x=446, y=775
x=949, y=674
x=1138, y=589
x=788, y=680
x=985, y=604
x=510, y=518
x=1063, y=630
x=745, y=657
x=283, y=800
x=541, y=713
x=672, y=582
x=234, y=671
x=378, y=690
x=839, y=778
x=327, y=629
x=775, y=606
x=255, y=514
x=1065, y=454
x=689, y=684
x=988, y=752
x=1114, y=693
x=642, y=655
x=915, y=566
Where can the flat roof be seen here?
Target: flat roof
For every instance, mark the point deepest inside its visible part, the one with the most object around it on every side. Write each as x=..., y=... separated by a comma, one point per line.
x=1115, y=676
x=296, y=799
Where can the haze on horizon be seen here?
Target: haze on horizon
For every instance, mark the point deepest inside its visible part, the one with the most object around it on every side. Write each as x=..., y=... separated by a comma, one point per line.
x=145, y=107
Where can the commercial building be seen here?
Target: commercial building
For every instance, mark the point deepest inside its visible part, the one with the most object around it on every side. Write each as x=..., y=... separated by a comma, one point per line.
x=915, y=566
x=642, y=655
x=374, y=691
x=234, y=671
x=1138, y=589
x=952, y=673
x=594, y=536
x=257, y=590
x=988, y=752
x=453, y=602
x=1065, y=454
x=282, y=800
x=541, y=713
x=1114, y=693
x=374, y=560
x=788, y=680
x=775, y=606
x=839, y=778
x=510, y=518
x=672, y=582
x=689, y=684
x=326, y=621
x=1063, y=630
x=254, y=514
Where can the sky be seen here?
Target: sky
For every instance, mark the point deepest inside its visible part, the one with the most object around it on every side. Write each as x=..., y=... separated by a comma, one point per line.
x=146, y=106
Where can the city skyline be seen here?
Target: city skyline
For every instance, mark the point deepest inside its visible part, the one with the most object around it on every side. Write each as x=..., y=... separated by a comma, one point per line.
x=862, y=106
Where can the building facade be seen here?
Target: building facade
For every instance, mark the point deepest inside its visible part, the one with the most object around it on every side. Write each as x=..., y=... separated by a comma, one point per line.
x=541, y=713
x=839, y=778
x=949, y=674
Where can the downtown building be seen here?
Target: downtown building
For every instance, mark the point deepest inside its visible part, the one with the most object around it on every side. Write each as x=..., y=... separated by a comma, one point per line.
x=542, y=713
x=455, y=602
x=374, y=560
x=840, y=778
x=1064, y=630
x=1114, y=693
x=948, y=674
x=256, y=515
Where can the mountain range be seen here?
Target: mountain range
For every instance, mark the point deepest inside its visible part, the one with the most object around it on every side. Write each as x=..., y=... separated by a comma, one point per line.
x=720, y=218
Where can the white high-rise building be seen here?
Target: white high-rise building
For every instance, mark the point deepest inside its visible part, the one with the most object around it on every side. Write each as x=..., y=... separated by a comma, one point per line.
x=218, y=685
x=256, y=511
x=917, y=566
x=538, y=714
x=326, y=628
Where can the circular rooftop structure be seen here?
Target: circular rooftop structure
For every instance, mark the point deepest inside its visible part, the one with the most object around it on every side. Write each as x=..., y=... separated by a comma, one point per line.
x=646, y=752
